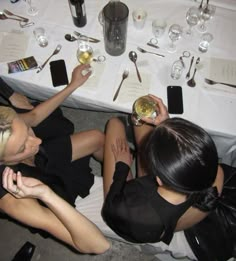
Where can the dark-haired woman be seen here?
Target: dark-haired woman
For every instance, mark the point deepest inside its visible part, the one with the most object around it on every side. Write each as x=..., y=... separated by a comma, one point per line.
x=179, y=179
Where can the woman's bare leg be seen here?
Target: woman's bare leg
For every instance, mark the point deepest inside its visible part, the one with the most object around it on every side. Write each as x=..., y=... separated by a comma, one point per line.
x=140, y=134
x=88, y=143
x=115, y=129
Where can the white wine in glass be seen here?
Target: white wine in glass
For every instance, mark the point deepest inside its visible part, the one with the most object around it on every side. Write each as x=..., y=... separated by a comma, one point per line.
x=85, y=53
x=144, y=106
x=192, y=18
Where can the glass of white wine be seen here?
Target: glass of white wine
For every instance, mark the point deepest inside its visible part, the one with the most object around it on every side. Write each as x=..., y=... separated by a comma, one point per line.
x=144, y=106
x=84, y=52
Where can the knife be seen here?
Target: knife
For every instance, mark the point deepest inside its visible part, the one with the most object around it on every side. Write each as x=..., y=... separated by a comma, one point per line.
x=83, y=37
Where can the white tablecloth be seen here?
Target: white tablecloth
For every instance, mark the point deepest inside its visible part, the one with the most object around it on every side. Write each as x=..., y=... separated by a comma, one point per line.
x=213, y=110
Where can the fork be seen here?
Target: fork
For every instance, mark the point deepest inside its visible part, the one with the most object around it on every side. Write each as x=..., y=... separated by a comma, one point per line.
x=215, y=82
x=124, y=76
x=7, y=12
x=144, y=51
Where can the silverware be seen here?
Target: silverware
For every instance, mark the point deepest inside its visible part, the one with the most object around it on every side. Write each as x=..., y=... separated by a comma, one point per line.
x=71, y=38
x=144, y=51
x=211, y=82
x=153, y=45
x=200, y=6
x=124, y=76
x=133, y=57
x=7, y=12
x=188, y=73
x=56, y=51
x=4, y=17
x=191, y=82
x=90, y=39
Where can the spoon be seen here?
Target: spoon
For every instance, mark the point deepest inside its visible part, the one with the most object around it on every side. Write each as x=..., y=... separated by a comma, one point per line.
x=4, y=17
x=133, y=57
x=191, y=82
x=70, y=38
x=124, y=76
x=56, y=51
x=189, y=70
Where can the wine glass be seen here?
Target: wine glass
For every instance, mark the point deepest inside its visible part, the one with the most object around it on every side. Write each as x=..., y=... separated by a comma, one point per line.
x=207, y=13
x=33, y=10
x=175, y=33
x=192, y=18
x=144, y=106
x=84, y=52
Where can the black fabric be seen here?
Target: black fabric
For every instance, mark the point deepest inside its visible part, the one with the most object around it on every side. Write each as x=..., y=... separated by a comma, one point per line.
x=54, y=166
x=5, y=90
x=136, y=212
x=214, y=238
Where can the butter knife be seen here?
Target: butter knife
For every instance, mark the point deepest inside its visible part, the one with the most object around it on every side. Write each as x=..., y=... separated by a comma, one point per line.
x=90, y=39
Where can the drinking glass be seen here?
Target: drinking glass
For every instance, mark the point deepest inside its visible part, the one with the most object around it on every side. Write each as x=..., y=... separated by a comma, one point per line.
x=32, y=9
x=192, y=18
x=84, y=52
x=175, y=33
x=144, y=106
x=207, y=13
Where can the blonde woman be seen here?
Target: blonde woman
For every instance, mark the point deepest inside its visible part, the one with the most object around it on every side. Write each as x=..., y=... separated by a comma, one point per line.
x=58, y=158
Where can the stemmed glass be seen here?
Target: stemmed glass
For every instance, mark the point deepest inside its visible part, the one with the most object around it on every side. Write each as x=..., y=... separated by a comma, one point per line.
x=192, y=18
x=32, y=9
x=207, y=13
x=175, y=33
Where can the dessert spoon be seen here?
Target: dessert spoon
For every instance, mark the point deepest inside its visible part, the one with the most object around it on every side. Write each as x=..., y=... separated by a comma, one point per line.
x=133, y=57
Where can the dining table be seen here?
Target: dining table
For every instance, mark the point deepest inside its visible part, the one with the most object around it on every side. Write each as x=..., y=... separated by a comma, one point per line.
x=213, y=107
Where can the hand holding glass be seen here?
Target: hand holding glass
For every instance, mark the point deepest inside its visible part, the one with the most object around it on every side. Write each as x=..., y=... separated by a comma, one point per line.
x=175, y=33
x=144, y=106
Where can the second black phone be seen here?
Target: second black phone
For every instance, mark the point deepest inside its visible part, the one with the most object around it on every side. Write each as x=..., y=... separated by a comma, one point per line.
x=175, y=99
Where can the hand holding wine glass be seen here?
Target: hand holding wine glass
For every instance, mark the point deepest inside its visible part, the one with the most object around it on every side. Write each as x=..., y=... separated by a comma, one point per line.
x=175, y=33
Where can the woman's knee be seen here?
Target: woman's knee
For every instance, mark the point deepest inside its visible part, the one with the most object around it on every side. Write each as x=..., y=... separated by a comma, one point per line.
x=114, y=124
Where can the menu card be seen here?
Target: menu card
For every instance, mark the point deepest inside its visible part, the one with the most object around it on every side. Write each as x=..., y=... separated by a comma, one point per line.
x=13, y=46
x=222, y=70
x=132, y=89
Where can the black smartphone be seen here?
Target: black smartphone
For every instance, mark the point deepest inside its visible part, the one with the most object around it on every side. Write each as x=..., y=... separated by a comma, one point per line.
x=175, y=100
x=58, y=73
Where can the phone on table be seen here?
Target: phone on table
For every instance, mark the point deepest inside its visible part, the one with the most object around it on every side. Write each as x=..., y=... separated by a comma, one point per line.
x=175, y=100
x=58, y=73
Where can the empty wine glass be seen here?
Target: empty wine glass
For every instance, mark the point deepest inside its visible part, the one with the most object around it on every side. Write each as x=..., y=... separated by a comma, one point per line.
x=33, y=10
x=207, y=13
x=175, y=33
x=192, y=18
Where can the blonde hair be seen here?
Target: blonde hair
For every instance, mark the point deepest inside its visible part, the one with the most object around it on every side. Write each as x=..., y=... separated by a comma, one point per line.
x=7, y=115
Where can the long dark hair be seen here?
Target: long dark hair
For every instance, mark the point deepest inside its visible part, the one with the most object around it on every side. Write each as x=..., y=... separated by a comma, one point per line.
x=184, y=157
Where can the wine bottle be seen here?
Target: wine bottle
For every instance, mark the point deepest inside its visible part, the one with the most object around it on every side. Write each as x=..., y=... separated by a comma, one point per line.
x=78, y=12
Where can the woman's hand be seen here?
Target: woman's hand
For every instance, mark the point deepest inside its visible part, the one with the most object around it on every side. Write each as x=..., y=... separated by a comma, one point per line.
x=80, y=75
x=23, y=187
x=162, y=112
x=121, y=151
